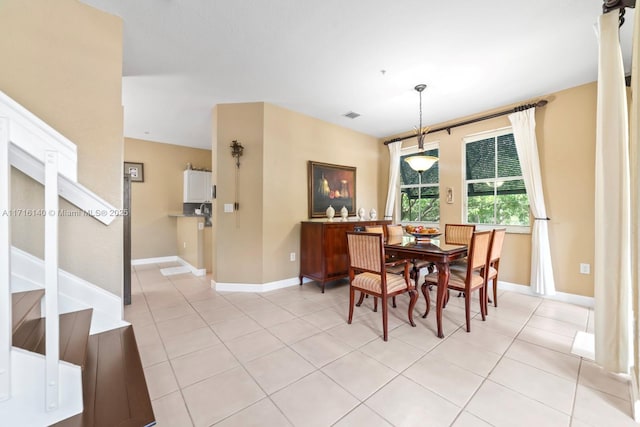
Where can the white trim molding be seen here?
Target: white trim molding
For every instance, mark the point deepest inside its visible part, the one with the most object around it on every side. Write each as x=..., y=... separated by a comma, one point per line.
x=78, y=195
x=158, y=260
x=559, y=296
x=34, y=136
x=28, y=273
x=170, y=271
x=256, y=287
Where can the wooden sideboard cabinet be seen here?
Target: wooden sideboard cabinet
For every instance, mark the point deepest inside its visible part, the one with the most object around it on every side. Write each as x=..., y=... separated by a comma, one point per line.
x=323, y=249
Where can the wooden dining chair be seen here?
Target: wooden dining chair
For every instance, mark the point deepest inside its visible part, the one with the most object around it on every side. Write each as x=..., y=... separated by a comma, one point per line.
x=493, y=262
x=391, y=268
x=394, y=234
x=368, y=274
x=459, y=234
x=471, y=278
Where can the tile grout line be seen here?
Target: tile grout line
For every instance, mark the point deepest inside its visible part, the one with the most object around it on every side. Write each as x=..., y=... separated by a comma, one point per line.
x=486, y=378
x=334, y=305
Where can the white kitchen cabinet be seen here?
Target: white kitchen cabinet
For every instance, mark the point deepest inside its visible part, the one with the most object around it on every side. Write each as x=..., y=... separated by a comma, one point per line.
x=197, y=186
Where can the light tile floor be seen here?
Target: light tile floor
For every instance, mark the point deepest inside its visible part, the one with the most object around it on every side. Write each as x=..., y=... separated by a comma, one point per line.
x=288, y=358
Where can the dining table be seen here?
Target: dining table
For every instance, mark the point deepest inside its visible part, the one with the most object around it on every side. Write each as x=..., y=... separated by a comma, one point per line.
x=433, y=250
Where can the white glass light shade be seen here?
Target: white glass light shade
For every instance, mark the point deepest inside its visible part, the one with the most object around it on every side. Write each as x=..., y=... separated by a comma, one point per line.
x=421, y=163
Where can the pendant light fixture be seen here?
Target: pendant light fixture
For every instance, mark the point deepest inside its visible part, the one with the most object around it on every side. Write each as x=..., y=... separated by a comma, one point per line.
x=421, y=162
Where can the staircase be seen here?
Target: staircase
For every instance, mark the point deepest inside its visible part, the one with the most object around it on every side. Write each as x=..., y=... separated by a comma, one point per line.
x=65, y=357
x=114, y=389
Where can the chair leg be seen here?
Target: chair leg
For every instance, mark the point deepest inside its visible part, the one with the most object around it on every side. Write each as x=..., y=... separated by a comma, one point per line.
x=393, y=301
x=486, y=299
x=427, y=298
x=375, y=304
x=352, y=297
x=495, y=291
x=385, y=309
x=413, y=294
x=483, y=302
x=467, y=310
x=361, y=299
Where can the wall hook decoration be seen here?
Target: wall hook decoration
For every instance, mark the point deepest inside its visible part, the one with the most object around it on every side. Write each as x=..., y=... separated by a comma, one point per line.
x=236, y=151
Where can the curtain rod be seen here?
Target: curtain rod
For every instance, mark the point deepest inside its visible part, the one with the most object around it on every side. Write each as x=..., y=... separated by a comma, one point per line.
x=448, y=128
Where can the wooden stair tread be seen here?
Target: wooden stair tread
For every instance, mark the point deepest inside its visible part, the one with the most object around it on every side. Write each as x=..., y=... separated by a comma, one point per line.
x=74, y=333
x=25, y=305
x=114, y=388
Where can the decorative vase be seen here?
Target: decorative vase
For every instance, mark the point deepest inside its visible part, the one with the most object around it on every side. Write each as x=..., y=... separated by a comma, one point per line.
x=344, y=213
x=330, y=213
x=361, y=214
x=373, y=214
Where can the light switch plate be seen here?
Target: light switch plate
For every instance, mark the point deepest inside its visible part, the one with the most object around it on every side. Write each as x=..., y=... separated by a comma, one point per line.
x=228, y=207
x=585, y=268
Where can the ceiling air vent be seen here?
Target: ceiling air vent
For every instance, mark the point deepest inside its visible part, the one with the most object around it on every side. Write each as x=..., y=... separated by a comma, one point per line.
x=352, y=115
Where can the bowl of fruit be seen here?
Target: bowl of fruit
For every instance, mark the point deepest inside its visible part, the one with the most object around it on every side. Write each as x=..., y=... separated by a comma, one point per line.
x=422, y=233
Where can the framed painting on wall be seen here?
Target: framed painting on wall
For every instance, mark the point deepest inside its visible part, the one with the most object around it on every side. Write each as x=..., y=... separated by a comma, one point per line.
x=135, y=171
x=331, y=185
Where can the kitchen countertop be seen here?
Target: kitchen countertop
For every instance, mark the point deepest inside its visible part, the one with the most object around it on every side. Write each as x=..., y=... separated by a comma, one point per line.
x=180, y=214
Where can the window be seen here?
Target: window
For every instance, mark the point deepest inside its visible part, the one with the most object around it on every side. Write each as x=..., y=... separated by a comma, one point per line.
x=419, y=192
x=496, y=193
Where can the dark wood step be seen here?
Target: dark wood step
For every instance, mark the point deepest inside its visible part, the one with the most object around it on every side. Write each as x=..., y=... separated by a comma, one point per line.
x=115, y=392
x=74, y=335
x=25, y=306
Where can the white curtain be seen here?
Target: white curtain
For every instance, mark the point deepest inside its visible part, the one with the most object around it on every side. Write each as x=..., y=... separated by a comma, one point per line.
x=634, y=153
x=394, y=170
x=524, y=132
x=612, y=263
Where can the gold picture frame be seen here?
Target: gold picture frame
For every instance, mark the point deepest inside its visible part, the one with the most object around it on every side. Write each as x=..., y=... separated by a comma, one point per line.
x=333, y=185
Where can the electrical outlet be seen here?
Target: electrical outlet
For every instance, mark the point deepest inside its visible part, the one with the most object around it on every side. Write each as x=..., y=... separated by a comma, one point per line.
x=585, y=268
x=292, y=256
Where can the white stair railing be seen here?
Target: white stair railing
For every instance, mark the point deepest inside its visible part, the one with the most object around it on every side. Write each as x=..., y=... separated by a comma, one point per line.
x=38, y=150
x=5, y=263
x=52, y=328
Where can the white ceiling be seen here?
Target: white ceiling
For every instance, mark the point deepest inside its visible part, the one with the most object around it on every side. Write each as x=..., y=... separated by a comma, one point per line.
x=325, y=58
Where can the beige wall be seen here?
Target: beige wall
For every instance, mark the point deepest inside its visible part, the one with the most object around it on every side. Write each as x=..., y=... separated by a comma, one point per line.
x=153, y=231
x=190, y=240
x=254, y=244
x=566, y=144
x=63, y=61
x=238, y=235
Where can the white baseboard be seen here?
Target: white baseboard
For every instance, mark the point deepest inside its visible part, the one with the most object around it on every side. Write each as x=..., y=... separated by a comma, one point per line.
x=169, y=271
x=195, y=271
x=559, y=296
x=172, y=271
x=158, y=260
x=250, y=287
x=635, y=398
